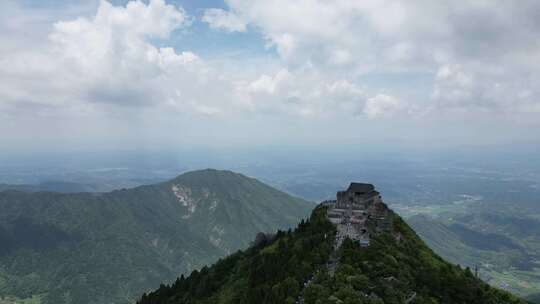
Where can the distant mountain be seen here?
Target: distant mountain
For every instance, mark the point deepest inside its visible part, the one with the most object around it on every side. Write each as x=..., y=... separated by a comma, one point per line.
x=50, y=186
x=296, y=267
x=109, y=247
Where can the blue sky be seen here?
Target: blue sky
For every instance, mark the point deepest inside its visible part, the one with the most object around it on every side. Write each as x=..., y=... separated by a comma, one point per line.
x=198, y=37
x=177, y=73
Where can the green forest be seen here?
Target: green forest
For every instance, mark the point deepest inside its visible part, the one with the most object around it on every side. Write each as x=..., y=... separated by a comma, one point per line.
x=397, y=267
x=94, y=248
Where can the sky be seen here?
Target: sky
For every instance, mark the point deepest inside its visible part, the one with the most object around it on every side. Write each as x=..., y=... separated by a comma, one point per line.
x=163, y=73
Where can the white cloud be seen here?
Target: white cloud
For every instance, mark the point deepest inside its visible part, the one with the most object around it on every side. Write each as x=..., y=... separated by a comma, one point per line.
x=383, y=105
x=453, y=84
x=221, y=19
x=308, y=92
x=108, y=60
x=270, y=84
x=105, y=59
x=328, y=65
x=480, y=56
x=340, y=57
x=111, y=54
x=116, y=31
x=385, y=37
x=507, y=89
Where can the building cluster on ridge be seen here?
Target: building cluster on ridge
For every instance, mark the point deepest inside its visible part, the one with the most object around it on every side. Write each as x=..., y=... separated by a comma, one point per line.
x=358, y=213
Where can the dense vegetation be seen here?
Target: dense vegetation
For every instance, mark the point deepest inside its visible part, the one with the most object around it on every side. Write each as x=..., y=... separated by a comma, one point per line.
x=397, y=267
x=502, y=240
x=110, y=247
x=267, y=273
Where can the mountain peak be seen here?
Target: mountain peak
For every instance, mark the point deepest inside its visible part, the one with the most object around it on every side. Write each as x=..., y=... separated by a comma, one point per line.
x=209, y=173
x=351, y=250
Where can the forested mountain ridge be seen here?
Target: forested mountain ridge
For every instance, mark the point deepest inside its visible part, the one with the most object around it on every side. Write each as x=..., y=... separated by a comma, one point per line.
x=110, y=247
x=397, y=267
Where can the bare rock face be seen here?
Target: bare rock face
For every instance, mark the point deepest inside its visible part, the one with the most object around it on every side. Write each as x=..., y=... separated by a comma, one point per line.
x=184, y=196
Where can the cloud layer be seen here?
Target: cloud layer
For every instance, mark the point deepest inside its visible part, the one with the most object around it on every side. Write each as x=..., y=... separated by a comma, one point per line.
x=479, y=54
x=345, y=60
x=110, y=58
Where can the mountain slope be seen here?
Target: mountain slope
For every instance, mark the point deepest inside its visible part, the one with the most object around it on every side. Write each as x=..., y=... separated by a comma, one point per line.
x=108, y=247
x=502, y=244
x=235, y=207
x=397, y=267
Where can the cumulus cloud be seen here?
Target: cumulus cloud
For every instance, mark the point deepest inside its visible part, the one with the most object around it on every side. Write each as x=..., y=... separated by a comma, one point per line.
x=304, y=92
x=480, y=55
x=489, y=49
x=221, y=19
x=110, y=60
x=383, y=105
x=495, y=88
x=106, y=58
x=111, y=55
x=454, y=85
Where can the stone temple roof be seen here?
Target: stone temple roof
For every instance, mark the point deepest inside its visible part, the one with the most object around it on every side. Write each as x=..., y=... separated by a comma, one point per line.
x=360, y=188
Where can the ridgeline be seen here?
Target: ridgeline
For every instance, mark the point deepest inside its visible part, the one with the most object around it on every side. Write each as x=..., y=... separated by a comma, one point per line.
x=304, y=265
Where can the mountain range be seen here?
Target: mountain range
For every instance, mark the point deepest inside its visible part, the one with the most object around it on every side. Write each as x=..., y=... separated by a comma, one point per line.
x=111, y=247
